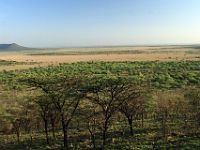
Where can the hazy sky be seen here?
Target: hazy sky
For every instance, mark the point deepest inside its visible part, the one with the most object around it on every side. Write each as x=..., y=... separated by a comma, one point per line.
x=53, y=23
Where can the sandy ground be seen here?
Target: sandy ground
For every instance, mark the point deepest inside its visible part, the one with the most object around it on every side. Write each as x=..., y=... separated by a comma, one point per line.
x=55, y=59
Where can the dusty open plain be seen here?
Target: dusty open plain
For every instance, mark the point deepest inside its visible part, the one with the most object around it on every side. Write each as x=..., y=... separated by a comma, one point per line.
x=56, y=56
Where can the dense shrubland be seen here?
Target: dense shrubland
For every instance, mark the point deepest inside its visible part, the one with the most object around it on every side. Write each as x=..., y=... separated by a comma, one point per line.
x=102, y=105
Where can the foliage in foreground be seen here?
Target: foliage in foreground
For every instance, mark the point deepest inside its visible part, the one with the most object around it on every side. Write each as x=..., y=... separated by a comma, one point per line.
x=129, y=105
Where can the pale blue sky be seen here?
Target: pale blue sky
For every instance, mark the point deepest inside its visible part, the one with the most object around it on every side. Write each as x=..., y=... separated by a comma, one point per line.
x=57, y=23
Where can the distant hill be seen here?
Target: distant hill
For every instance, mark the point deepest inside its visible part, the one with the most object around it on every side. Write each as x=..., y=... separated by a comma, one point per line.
x=13, y=47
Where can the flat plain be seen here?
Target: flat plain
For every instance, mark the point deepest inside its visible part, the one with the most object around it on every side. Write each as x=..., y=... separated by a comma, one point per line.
x=151, y=95
x=45, y=57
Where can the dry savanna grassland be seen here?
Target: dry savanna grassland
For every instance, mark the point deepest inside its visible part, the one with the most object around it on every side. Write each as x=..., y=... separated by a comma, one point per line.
x=100, y=98
x=45, y=57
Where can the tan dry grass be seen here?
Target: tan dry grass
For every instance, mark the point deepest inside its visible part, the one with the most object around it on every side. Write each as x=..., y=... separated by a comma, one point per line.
x=55, y=59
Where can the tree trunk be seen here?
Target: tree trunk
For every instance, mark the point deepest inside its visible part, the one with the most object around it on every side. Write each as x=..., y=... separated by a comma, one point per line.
x=46, y=130
x=65, y=138
x=130, y=122
x=93, y=141
x=53, y=128
x=142, y=119
x=104, y=133
x=18, y=136
x=31, y=140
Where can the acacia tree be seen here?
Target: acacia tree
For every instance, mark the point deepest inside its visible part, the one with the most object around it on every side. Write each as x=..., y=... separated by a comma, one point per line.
x=93, y=122
x=54, y=118
x=64, y=93
x=134, y=106
x=46, y=110
x=44, y=105
x=108, y=93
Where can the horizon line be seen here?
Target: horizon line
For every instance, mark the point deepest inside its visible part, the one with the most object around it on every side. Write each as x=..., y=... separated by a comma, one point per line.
x=112, y=45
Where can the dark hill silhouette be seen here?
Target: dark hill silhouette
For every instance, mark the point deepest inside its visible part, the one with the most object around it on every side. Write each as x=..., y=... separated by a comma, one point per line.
x=13, y=47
